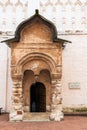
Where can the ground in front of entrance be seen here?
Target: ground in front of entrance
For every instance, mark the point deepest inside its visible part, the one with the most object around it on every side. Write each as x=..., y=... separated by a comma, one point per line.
x=69, y=123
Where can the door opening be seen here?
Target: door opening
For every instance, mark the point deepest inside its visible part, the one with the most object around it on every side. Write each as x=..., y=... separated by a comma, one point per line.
x=37, y=97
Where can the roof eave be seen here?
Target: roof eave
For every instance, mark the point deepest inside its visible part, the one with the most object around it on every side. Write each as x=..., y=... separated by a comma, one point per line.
x=61, y=40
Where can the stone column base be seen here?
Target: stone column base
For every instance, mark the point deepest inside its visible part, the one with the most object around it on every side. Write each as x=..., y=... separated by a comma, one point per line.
x=56, y=116
x=16, y=116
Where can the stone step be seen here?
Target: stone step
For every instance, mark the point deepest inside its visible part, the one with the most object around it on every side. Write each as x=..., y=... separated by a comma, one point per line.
x=36, y=116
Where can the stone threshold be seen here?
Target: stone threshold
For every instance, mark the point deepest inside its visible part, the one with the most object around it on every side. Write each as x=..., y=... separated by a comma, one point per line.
x=36, y=116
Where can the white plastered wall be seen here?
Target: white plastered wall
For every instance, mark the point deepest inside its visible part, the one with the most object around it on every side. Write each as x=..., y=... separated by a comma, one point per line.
x=75, y=71
x=3, y=73
x=5, y=78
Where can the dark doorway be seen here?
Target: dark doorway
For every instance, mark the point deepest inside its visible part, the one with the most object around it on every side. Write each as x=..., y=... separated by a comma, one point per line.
x=37, y=97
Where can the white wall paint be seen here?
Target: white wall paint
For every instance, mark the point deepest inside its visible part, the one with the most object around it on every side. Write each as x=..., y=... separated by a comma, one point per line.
x=75, y=70
x=3, y=70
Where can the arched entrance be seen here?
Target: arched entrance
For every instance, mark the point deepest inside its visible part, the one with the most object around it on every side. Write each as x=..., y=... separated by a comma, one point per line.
x=37, y=97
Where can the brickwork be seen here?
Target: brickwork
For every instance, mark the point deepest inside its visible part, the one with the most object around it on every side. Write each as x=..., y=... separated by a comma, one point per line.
x=69, y=123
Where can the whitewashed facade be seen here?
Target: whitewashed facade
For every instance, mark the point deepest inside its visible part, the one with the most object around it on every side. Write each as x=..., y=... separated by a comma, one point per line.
x=70, y=18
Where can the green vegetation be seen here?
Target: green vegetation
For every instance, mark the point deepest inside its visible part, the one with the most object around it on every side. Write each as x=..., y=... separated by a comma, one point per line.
x=80, y=109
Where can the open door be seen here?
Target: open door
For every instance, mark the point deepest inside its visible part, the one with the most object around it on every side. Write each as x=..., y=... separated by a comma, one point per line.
x=37, y=97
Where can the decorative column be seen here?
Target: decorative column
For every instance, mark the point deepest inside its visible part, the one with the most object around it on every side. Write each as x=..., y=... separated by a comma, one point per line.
x=16, y=113
x=56, y=101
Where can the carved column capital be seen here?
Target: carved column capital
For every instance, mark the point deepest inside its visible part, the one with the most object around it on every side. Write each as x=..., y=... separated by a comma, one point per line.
x=17, y=77
x=54, y=76
x=36, y=78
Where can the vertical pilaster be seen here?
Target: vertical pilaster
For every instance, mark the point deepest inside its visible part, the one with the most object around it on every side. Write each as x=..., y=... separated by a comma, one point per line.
x=16, y=113
x=56, y=104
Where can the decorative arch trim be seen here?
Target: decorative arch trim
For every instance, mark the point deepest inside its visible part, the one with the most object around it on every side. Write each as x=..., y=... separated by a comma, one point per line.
x=38, y=56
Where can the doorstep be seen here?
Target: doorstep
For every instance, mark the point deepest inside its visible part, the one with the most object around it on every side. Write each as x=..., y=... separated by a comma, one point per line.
x=35, y=116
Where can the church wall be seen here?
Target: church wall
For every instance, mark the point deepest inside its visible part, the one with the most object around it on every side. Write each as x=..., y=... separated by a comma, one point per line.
x=3, y=75
x=5, y=78
x=74, y=73
x=9, y=83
